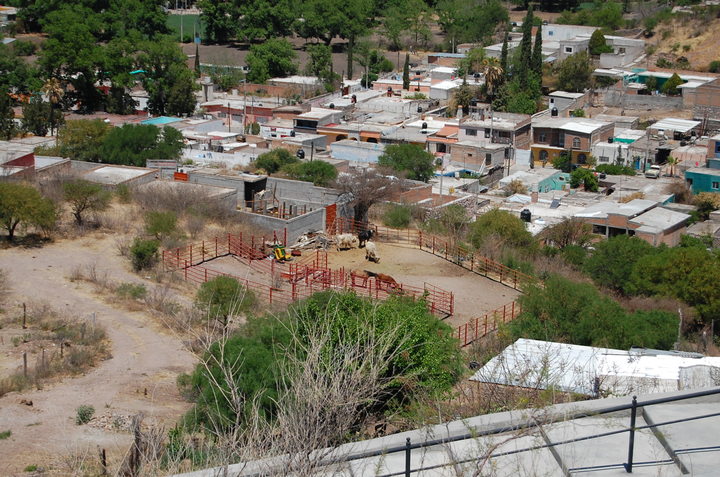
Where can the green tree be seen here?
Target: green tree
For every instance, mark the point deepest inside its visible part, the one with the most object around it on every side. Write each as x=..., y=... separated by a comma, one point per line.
x=470, y=20
x=597, y=44
x=275, y=57
x=39, y=117
x=265, y=19
x=224, y=297
x=422, y=359
x=575, y=73
x=219, y=19
x=504, y=55
x=395, y=24
x=502, y=226
x=23, y=204
x=584, y=177
x=319, y=173
x=671, y=85
x=16, y=74
x=537, y=58
x=143, y=253
x=612, y=262
x=563, y=162
x=406, y=72
x=134, y=144
x=273, y=161
x=689, y=274
x=320, y=63
x=84, y=196
x=167, y=79
x=160, y=223
x=80, y=140
x=525, y=61
x=411, y=159
x=651, y=83
x=462, y=97
x=572, y=312
x=8, y=128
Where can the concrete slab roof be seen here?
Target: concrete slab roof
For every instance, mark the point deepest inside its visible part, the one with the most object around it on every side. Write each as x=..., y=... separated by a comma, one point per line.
x=659, y=219
x=318, y=113
x=572, y=368
x=675, y=124
x=602, y=209
x=113, y=175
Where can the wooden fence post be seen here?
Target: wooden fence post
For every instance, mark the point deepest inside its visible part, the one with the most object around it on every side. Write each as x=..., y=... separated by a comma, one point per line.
x=191, y=260
x=25, y=364
x=24, y=317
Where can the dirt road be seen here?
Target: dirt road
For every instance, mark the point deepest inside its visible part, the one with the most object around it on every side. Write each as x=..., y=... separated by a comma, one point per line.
x=139, y=377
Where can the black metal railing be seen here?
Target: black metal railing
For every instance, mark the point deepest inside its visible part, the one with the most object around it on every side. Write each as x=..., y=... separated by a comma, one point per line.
x=633, y=407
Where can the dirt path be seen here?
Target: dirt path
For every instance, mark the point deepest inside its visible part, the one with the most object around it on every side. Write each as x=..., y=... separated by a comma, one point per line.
x=144, y=357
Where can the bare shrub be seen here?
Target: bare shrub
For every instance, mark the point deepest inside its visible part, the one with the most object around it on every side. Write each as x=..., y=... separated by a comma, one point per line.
x=61, y=345
x=195, y=224
x=516, y=186
x=4, y=285
x=682, y=192
x=122, y=245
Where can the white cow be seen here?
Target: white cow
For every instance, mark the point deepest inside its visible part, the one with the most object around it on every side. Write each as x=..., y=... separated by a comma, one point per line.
x=346, y=241
x=371, y=252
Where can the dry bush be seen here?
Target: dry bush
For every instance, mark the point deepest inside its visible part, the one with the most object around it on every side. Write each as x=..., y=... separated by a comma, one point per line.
x=181, y=201
x=682, y=192
x=59, y=345
x=630, y=197
x=4, y=286
x=516, y=186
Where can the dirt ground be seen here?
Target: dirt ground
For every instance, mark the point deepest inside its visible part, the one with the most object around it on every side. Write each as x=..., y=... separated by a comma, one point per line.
x=145, y=356
x=474, y=295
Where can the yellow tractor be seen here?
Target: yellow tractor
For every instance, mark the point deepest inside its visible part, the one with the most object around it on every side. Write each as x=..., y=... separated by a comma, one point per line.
x=281, y=255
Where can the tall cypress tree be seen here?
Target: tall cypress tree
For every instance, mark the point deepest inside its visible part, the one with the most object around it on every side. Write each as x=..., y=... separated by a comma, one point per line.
x=504, y=56
x=537, y=59
x=197, y=58
x=526, y=46
x=406, y=72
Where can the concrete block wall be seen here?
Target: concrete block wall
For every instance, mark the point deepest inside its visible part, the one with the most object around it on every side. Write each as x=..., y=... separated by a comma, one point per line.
x=615, y=98
x=312, y=221
x=302, y=192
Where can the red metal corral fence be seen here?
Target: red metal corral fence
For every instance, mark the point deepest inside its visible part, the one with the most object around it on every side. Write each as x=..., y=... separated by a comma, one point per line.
x=441, y=247
x=297, y=280
x=483, y=325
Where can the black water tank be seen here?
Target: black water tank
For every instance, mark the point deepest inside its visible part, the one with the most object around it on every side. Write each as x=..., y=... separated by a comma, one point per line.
x=610, y=140
x=300, y=154
x=554, y=112
x=526, y=215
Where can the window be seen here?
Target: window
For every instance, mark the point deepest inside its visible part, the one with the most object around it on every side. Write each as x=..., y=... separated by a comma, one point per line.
x=542, y=137
x=543, y=156
x=488, y=159
x=471, y=132
x=487, y=133
x=621, y=51
x=604, y=159
x=582, y=159
x=441, y=147
x=568, y=49
x=550, y=33
x=576, y=143
x=716, y=185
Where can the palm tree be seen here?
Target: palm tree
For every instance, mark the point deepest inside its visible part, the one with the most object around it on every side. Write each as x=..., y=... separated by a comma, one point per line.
x=54, y=91
x=493, y=73
x=672, y=162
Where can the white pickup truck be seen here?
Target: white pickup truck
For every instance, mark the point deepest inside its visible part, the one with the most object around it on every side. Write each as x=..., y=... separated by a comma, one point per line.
x=653, y=172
